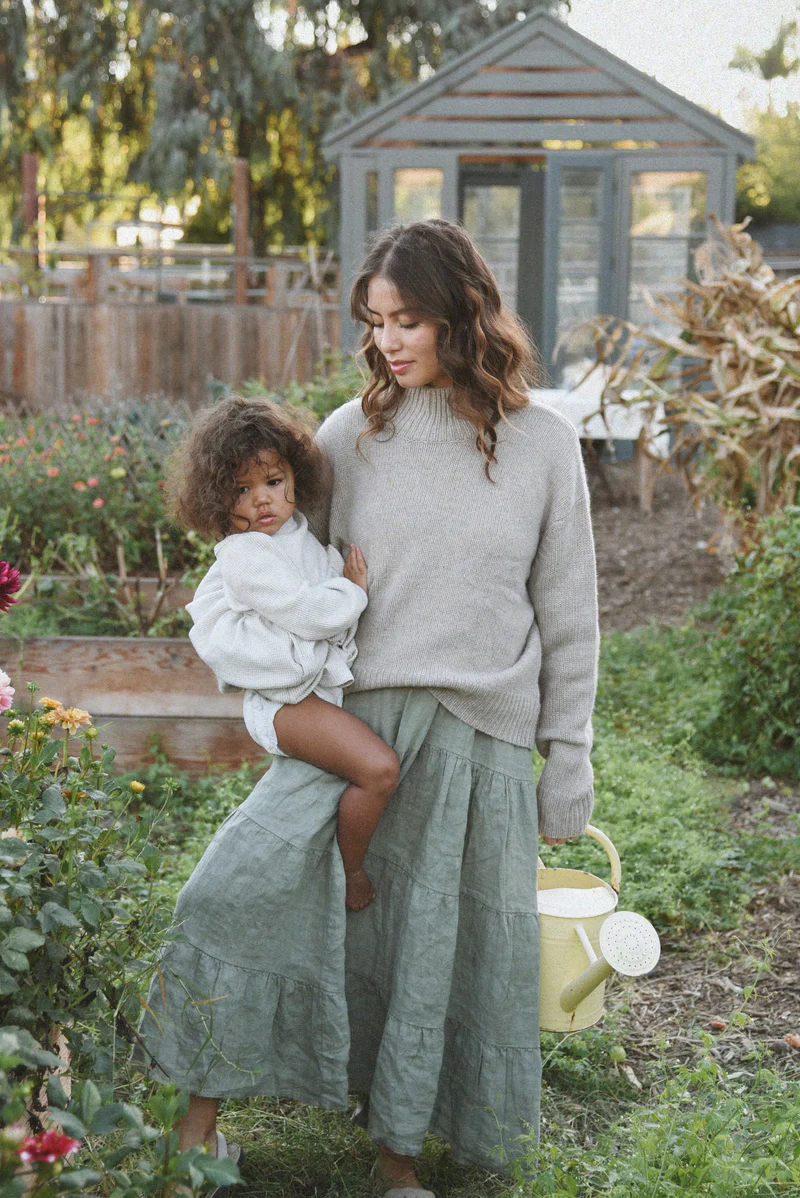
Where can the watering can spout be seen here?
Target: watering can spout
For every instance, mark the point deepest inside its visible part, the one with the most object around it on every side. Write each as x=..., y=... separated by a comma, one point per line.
x=629, y=944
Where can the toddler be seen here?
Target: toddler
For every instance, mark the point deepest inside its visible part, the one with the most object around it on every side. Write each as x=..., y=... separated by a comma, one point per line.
x=276, y=614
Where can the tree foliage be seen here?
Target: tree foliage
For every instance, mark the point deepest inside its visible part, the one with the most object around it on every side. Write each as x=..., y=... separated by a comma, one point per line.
x=160, y=95
x=768, y=190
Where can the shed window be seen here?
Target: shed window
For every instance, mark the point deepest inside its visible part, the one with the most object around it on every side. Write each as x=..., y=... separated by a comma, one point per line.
x=579, y=264
x=491, y=216
x=417, y=193
x=668, y=216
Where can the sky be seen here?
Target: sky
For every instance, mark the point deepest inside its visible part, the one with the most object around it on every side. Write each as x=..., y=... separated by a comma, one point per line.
x=687, y=45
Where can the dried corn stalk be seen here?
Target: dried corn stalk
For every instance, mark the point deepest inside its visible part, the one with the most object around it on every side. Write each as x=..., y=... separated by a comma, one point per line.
x=729, y=378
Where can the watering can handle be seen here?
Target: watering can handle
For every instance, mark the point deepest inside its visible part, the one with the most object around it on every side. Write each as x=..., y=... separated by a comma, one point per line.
x=613, y=856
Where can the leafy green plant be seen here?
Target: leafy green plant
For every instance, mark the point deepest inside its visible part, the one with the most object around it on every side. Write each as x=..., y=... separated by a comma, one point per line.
x=753, y=724
x=78, y=916
x=93, y=1144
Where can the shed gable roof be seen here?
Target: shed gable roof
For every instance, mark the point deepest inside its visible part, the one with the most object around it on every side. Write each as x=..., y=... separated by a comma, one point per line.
x=535, y=83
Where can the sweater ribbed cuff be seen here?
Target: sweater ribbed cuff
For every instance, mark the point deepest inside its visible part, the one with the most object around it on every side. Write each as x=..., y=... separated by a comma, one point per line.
x=562, y=816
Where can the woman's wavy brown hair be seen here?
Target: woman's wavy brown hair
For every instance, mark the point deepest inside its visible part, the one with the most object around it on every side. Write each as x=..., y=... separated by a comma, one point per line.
x=201, y=477
x=438, y=272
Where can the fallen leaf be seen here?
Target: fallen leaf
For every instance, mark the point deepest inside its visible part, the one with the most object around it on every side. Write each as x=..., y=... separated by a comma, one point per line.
x=631, y=1076
x=718, y=1025
x=792, y=1039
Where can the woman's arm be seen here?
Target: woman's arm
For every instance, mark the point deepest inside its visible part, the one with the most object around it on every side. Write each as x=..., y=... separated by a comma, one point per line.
x=258, y=578
x=563, y=591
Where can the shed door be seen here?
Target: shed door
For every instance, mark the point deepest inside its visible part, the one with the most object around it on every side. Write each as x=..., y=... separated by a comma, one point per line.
x=502, y=208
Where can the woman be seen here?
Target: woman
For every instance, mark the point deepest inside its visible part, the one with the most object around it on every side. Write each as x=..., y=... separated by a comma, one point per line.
x=479, y=641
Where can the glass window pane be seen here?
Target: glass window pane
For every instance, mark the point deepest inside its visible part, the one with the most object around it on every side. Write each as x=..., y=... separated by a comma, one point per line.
x=417, y=193
x=668, y=215
x=579, y=261
x=491, y=217
x=371, y=183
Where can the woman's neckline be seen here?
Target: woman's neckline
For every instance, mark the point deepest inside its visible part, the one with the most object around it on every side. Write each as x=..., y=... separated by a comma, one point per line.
x=425, y=414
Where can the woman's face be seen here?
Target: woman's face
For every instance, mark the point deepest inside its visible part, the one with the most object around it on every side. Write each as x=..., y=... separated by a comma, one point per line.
x=407, y=343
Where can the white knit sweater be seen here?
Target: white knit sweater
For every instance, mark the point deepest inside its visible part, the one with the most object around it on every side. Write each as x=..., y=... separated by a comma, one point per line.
x=482, y=592
x=274, y=614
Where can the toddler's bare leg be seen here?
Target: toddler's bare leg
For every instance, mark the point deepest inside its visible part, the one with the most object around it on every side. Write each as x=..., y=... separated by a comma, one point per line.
x=326, y=736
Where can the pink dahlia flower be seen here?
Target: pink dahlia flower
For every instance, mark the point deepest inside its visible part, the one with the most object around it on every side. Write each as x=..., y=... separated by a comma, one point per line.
x=9, y=582
x=6, y=692
x=47, y=1147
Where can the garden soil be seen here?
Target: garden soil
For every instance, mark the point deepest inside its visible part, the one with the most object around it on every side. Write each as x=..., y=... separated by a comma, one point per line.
x=652, y=568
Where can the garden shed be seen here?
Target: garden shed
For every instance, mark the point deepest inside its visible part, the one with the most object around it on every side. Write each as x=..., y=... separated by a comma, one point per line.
x=584, y=181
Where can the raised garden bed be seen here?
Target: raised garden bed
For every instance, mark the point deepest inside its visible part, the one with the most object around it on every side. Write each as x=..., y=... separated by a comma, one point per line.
x=139, y=691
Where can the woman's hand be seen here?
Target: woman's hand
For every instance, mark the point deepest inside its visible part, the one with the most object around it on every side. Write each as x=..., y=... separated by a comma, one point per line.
x=355, y=568
x=558, y=839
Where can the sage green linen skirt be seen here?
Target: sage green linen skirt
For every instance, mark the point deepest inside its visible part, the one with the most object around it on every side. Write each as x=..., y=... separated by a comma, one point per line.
x=427, y=1000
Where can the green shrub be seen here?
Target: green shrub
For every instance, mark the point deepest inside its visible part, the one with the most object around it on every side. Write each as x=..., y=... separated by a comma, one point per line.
x=754, y=722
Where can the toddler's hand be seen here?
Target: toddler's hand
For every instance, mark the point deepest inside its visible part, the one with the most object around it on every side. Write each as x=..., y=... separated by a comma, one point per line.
x=355, y=568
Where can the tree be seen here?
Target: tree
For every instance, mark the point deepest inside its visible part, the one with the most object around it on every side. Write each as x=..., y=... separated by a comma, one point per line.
x=775, y=62
x=768, y=190
x=264, y=79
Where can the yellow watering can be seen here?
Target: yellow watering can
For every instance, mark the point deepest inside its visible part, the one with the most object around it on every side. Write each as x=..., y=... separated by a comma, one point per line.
x=578, y=924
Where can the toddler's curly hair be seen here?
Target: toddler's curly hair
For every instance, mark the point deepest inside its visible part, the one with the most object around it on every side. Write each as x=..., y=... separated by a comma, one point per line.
x=201, y=479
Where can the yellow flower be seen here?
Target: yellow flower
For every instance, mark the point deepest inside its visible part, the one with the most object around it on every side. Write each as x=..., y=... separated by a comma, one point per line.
x=50, y=704
x=55, y=716
x=74, y=718
x=16, y=726
x=136, y=787
x=118, y=472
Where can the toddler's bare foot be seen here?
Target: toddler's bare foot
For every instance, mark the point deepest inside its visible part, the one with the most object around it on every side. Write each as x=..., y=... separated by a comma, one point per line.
x=358, y=890
x=392, y=1170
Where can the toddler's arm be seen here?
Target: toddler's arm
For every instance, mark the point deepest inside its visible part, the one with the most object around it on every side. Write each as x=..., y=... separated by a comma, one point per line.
x=258, y=578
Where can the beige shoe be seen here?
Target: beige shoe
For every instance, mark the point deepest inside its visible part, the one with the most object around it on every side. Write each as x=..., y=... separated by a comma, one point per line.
x=234, y=1153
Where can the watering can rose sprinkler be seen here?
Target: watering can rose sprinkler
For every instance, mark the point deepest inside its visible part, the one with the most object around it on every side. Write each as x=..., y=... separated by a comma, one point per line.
x=583, y=940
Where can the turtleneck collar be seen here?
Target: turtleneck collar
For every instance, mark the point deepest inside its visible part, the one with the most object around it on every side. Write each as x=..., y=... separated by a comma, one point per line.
x=424, y=414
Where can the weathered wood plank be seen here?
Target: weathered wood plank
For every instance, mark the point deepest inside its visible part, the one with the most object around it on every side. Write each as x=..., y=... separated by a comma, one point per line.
x=537, y=107
x=523, y=132
x=110, y=676
x=193, y=745
x=492, y=79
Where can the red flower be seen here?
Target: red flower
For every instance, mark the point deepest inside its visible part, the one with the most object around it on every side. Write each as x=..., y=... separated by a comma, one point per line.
x=91, y=482
x=52, y=471
x=9, y=582
x=47, y=1147
x=98, y=502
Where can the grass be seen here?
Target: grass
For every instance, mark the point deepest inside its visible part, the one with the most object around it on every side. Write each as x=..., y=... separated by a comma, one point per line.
x=697, y=1128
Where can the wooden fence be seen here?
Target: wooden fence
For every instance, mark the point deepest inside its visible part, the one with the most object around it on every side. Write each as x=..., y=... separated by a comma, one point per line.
x=56, y=352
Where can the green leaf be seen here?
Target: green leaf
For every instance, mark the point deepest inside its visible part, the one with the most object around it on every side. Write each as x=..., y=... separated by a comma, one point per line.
x=56, y=1094
x=92, y=877
x=5, y=916
x=24, y=940
x=7, y=983
x=90, y=912
x=76, y=1179
x=223, y=1172
x=69, y=1121
x=13, y=849
x=53, y=915
x=53, y=806
x=90, y=1101
x=107, y=1118
x=13, y=960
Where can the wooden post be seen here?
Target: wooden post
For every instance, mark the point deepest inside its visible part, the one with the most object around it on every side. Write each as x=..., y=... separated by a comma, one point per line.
x=241, y=222
x=30, y=189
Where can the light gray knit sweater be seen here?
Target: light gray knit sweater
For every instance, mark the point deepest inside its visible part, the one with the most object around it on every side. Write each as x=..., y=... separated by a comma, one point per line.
x=482, y=592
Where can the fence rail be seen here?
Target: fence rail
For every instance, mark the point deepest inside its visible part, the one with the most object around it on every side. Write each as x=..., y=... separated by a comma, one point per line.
x=181, y=274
